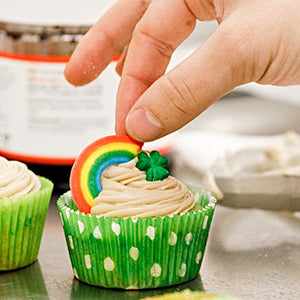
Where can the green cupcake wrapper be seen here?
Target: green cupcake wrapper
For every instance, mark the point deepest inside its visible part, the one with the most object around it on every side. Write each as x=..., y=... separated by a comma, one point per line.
x=136, y=253
x=22, y=220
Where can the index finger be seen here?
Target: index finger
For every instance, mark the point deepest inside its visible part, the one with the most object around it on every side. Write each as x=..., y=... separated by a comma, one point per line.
x=104, y=41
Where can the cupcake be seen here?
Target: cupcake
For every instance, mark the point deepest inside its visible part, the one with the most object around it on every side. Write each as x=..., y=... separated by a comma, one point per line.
x=189, y=295
x=129, y=224
x=24, y=200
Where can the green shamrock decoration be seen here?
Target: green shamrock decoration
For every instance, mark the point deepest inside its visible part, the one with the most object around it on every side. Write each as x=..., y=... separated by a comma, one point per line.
x=154, y=165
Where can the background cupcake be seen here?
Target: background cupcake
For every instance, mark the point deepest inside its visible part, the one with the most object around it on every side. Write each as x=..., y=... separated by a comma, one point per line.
x=189, y=295
x=24, y=200
x=141, y=233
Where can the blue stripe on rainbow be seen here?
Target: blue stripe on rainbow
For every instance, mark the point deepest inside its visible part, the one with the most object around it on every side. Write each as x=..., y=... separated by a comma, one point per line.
x=101, y=164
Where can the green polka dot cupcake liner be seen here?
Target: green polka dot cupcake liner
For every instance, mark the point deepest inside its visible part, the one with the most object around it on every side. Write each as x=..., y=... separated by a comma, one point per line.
x=136, y=253
x=22, y=220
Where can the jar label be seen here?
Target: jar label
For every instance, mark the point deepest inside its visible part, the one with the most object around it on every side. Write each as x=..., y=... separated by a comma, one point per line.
x=46, y=120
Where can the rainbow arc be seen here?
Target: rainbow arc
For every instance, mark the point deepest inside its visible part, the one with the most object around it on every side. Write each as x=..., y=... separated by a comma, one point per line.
x=85, y=179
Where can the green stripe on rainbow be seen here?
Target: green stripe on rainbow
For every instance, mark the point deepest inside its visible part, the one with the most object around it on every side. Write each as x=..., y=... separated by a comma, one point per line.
x=102, y=161
x=85, y=180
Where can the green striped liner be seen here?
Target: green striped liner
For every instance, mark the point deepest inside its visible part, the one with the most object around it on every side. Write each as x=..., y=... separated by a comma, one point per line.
x=136, y=253
x=22, y=220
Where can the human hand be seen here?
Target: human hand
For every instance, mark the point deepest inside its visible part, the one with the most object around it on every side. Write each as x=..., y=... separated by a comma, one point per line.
x=256, y=41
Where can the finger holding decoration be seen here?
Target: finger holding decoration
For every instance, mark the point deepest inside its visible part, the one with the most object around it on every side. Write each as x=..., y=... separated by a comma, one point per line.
x=163, y=27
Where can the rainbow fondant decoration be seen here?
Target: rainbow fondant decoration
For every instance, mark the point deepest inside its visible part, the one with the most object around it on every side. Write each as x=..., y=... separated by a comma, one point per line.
x=85, y=179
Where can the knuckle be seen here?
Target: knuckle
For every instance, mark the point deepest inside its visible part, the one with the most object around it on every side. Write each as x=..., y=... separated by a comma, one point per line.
x=137, y=77
x=179, y=95
x=239, y=51
x=164, y=48
x=201, y=9
x=145, y=3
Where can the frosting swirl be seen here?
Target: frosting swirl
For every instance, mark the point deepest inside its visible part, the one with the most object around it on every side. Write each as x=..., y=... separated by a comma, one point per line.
x=16, y=179
x=127, y=193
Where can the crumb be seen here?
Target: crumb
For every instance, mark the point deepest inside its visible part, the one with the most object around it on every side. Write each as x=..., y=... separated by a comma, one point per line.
x=275, y=154
x=291, y=136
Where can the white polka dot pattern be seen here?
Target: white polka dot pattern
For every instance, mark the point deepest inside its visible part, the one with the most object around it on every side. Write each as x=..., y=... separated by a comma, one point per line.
x=188, y=238
x=115, y=228
x=182, y=270
x=134, y=253
x=80, y=226
x=75, y=273
x=173, y=239
x=71, y=242
x=151, y=232
x=155, y=270
x=205, y=222
x=134, y=249
x=109, y=264
x=198, y=257
x=97, y=234
x=87, y=260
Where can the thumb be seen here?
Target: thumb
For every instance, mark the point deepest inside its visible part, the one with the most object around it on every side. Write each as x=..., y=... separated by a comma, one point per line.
x=220, y=64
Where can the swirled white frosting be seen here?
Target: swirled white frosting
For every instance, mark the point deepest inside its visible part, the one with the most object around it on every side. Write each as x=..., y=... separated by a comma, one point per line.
x=127, y=193
x=16, y=179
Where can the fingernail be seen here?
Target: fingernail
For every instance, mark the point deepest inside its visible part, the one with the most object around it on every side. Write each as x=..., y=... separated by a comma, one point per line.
x=142, y=125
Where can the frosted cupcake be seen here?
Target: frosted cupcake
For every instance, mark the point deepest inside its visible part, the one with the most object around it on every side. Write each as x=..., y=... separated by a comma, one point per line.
x=127, y=193
x=144, y=228
x=24, y=200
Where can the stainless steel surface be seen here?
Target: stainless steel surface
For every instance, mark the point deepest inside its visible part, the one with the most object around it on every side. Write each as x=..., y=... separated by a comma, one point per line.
x=252, y=254
x=243, y=113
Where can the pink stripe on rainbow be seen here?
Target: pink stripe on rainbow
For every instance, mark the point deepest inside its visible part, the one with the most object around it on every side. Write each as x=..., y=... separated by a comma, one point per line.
x=86, y=172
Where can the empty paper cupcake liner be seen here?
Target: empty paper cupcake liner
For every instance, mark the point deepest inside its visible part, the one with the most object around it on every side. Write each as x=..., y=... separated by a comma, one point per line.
x=22, y=220
x=136, y=253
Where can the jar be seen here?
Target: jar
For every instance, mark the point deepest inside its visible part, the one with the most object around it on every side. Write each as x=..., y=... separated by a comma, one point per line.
x=44, y=121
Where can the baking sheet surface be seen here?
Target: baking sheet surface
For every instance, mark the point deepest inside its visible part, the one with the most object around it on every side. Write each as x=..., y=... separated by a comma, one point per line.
x=252, y=254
